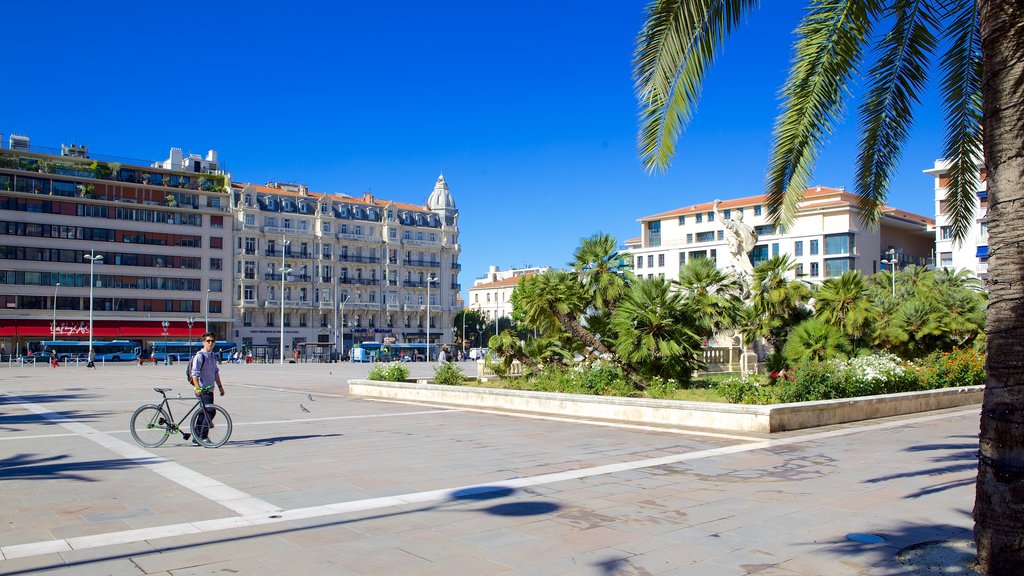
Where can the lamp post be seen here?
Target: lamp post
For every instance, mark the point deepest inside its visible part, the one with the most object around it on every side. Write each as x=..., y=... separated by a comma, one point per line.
x=92, y=263
x=206, y=321
x=495, y=314
x=190, y=320
x=53, y=334
x=341, y=342
x=284, y=271
x=891, y=262
x=166, y=324
x=429, y=282
x=463, y=331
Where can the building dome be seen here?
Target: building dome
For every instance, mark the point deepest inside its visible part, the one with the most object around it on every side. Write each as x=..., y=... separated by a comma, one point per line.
x=440, y=199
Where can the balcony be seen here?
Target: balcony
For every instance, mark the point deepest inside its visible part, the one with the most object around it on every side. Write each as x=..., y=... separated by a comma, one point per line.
x=274, y=277
x=413, y=284
x=358, y=259
x=359, y=281
x=354, y=237
x=424, y=243
x=421, y=263
x=456, y=266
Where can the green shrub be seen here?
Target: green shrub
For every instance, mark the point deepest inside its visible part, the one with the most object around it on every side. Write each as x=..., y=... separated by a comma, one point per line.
x=662, y=389
x=448, y=374
x=602, y=378
x=389, y=372
x=948, y=369
x=739, y=391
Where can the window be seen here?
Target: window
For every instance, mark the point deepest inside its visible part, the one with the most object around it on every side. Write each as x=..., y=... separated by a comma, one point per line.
x=711, y=216
x=216, y=242
x=216, y=285
x=714, y=255
x=650, y=260
x=705, y=237
x=798, y=248
x=946, y=232
x=325, y=227
x=248, y=293
x=250, y=219
x=639, y=261
x=775, y=249
x=757, y=210
x=721, y=235
x=759, y=254
x=835, y=267
x=216, y=221
x=654, y=233
x=698, y=255
x=661, y=259
x=984, y=228
x=700, y=218
x=946, y=259
x=682, y=220
x=689, y=238
x=814, y=269
x=814, y=252
x=765, y=230
x=728, y=213
x=839, y=244
x=216, y=263
x=799, y=270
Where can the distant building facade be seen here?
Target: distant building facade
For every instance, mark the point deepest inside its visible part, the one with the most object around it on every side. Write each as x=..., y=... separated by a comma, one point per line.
x=491, y=295
x=826, y=238
x=972, y=253
x=162, y=230
x=355, y=268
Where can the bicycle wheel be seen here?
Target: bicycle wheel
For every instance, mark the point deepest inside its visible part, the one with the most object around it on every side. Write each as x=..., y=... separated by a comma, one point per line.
x=217, y=433
x=151, y=425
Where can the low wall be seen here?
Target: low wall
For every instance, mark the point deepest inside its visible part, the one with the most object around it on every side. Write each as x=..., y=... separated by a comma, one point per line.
x=708, y=415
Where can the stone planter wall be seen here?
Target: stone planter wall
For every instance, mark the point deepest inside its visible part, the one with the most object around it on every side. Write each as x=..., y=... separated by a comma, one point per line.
x=707, y=415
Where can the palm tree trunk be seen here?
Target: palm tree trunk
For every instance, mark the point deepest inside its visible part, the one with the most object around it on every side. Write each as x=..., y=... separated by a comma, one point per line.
x=573, y=327
x=999, y=501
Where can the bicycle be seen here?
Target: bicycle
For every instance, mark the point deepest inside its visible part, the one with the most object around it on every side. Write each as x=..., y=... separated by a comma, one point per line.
x=152, y=424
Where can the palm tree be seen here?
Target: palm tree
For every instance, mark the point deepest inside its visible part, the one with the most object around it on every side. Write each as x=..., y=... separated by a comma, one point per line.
x=507, y=346
x=602, y=269
x=556, y=300
x=843, y=302
x=983, y=46
x=778, y=303
x=814, y=340
x=657, y=337
x=712, y=295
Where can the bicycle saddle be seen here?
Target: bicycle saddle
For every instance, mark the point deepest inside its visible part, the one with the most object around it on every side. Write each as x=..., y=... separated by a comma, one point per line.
x=162, y=390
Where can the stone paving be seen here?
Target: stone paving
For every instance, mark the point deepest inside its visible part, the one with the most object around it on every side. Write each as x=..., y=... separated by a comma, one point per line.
x=361, y=487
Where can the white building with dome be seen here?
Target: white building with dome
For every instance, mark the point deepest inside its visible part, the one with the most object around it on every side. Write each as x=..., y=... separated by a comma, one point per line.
x=357, y=268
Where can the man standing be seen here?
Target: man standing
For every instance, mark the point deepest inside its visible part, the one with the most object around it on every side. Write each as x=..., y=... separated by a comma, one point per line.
x=205, y=374
x=92, y=359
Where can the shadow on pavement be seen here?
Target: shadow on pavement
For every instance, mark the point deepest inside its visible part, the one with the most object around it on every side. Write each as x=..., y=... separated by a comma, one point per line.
x=958, y=457
x=455, y=498
x=275, y=440
x=32, y=467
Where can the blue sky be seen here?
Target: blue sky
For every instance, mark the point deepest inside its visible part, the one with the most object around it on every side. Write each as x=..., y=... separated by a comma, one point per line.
x=527, y=107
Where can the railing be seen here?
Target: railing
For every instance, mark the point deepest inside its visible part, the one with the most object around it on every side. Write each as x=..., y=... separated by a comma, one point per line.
x=456, y=266
x=359, y=259
x=279, y=230
x=356, y=237
x=288, y=277
x=413, y=284
x=424, y=243
x=422, y=263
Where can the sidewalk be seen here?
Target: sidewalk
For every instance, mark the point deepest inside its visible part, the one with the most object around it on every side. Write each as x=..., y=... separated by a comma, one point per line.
x=375, y=488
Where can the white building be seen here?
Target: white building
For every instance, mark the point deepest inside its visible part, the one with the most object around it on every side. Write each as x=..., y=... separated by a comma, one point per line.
x=972, y=253
x=356, y=269
x=491, y=295
x=826, y=239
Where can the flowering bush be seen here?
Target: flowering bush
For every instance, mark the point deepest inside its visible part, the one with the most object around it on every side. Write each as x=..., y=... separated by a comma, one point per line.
x=448, y=374
x=956, y=368
x=861, y=376
x=739, y=391
x=389, y=372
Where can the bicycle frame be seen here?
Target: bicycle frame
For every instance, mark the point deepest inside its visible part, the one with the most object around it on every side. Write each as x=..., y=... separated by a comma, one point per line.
x=176, y=426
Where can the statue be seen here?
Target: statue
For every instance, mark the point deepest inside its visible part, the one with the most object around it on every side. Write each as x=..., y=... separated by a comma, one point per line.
x=741, y=239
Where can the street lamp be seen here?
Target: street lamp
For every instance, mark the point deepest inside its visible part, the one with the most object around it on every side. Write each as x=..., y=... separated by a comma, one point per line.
x=429, y=282
x=891, y=262
x=166, y=324
x=53, y=335
x=92, y=257
x=284, y=271
x=190, y=320
x=341, y=343
x=463, y=331
x=495, y=314
x=206, y=322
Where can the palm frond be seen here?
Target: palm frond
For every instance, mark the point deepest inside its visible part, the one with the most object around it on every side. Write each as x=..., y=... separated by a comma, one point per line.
x=829, y=48
x=886, y=114
x=677, y=44
x=961, y=95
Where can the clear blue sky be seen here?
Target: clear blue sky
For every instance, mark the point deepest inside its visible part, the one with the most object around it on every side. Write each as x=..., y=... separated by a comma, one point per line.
x=527, y=107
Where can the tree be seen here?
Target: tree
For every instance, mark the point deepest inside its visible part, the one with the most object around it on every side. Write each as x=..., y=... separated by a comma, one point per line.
x=777, y=302
x=602, y=269
x=712, y=295
x=472, y=321
x=815, y=340
x=843, y=302
x=557, y=300
x=983, y=48
x=657, y=337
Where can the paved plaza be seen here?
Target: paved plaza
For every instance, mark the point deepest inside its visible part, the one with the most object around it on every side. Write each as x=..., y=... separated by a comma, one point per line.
x=314, y=481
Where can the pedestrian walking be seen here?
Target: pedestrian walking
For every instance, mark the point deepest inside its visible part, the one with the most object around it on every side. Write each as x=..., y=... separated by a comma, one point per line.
x=54, y=362
x=152, y=356
x=205, y=375
x=92, y=359
x=442, y=356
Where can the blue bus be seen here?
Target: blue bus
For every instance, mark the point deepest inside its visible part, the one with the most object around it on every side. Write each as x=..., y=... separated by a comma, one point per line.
x=376, y=351
x=186, y=350
x=106, y=350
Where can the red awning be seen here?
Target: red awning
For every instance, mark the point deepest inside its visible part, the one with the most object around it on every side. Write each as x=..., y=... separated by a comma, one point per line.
x=109, y=329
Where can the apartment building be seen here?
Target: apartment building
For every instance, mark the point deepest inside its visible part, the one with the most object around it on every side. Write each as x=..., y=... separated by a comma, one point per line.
x=491, y=294
x=319, y=269
x=147, y=245
x=826, y=239
x=972, y=253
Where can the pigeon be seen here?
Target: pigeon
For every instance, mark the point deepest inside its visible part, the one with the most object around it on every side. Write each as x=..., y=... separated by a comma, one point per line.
x=310, y=397
x=304, y=409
